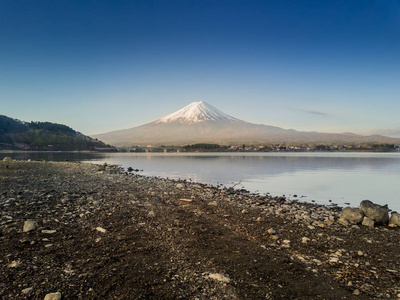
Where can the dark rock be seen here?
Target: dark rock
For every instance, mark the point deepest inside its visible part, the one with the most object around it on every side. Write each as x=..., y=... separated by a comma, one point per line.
x=376, y=212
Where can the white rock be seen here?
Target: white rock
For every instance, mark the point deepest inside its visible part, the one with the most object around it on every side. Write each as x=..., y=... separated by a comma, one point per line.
x=101, y=229
x=30, y=225
x=394, y=220
x=14, y=264
x=368, y=222
x=53, y=296
x=49, y=231
x=219, y=277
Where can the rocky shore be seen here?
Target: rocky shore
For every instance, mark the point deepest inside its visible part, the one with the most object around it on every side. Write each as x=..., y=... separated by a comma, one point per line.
x=83, y=231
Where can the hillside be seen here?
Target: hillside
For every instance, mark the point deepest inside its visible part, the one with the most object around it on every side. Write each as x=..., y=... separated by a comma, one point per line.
x=200, y=122
x=18, y=135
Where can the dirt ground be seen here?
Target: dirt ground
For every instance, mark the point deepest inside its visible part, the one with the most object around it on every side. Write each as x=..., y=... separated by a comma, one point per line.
x=103, y=233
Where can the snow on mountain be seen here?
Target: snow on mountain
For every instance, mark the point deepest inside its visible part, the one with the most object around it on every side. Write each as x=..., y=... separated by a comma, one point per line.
x=197, y=112
x=200, y=122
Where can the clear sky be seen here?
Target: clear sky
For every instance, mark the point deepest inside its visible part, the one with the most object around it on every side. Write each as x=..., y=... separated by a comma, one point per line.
x=98, y=66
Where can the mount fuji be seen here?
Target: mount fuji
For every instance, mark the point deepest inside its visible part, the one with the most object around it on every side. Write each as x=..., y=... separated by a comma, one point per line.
x=199, y=122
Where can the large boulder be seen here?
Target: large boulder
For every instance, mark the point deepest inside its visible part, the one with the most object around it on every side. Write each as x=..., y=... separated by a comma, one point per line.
x=352, y=214
x=378, y=213
x=394, y=219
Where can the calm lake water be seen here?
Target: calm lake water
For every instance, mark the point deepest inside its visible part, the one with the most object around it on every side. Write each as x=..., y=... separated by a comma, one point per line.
x=320, y=177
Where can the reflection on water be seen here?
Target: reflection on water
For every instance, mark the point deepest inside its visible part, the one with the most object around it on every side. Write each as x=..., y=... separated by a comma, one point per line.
x=340, y=177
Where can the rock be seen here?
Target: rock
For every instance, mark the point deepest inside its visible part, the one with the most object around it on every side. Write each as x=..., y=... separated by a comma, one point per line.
x=219, y=277
x=49, y=231
x=101, y=229
x=186, y=200
x=151, y=214
x=394, y=219
x=376, y=212
x=353, y=214
x=343, y=222
x=7, y=159
x=27, y=290
x=356, y=292
x=14, y=264
x=368, y=222
x=360, y=253
x=30, y=225
x=305, y=240
x=179, y=186
x=334, y=259
x=244, y=211
x=329, y=222
x=53, y=296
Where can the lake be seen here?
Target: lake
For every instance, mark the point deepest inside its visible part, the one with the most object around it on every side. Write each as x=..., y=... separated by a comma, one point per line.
x=324, y=178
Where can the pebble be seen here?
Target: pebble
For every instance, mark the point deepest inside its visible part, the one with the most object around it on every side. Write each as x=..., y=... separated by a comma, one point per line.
x=219, y=277
x=27, y=290
x=356, y=292
x=151, y=214
x=30, y=225
x=53, y=296
x=305, y=240
x=14, y=264
x=101, y=229
x=49, y=231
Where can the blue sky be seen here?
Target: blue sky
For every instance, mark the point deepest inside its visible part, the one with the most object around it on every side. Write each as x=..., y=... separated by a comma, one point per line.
x=98, y=66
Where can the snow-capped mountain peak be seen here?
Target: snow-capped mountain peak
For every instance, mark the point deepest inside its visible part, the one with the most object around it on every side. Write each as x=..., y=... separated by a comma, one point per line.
x=197, y=112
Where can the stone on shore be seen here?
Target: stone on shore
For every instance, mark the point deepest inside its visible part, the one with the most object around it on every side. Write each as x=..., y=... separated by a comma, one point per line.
x=394, y=219
x=53, y=296
x=343, y=222
x=376, y=212
x=368, y=222
x=219, y=277
x=27, y=290
x=30, y=225
x=7, y=159
x=101, y=229
x=352, y=214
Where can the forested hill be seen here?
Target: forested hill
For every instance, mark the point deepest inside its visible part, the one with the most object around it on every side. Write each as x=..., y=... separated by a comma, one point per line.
x=18, y=135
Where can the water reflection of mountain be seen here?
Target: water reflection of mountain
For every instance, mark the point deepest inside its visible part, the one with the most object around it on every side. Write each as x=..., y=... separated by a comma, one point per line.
x=230, y=167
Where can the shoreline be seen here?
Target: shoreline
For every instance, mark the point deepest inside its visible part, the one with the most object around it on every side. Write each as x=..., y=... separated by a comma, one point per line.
x=119, y=234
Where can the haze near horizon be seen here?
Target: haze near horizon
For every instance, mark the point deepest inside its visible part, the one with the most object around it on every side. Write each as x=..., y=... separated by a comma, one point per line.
x=327, y=66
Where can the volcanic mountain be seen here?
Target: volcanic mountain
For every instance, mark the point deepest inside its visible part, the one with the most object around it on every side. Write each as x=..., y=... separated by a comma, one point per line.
x=200, y=122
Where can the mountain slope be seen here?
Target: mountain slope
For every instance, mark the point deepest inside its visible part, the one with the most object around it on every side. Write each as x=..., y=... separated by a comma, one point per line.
x=200, y=122
x=15, y=134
